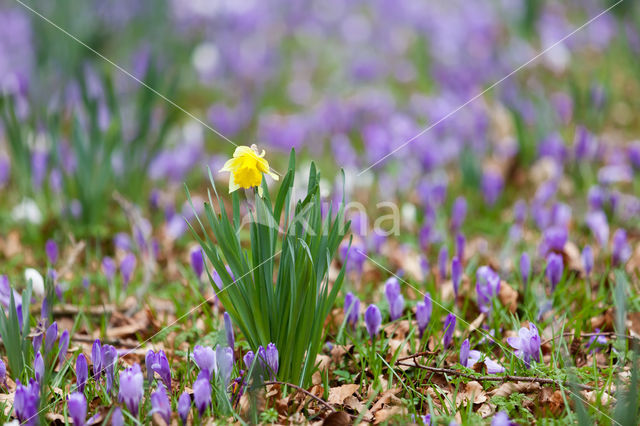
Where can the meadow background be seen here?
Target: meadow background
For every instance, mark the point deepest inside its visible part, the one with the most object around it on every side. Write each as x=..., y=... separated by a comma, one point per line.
x=488, y=154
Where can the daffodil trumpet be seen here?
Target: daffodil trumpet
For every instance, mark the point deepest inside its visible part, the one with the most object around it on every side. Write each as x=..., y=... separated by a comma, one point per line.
x=246, y=169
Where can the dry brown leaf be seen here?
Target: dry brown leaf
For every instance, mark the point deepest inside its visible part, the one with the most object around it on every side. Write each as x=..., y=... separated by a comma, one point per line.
x=509, y=388
x=595, y=398
x=338, y=394
x=486, y=410
x=355, y=404
x=385, y=414
x=339, y=418
x=508, y=296
x=473, y=392
x=384, y=398
x=338, y=352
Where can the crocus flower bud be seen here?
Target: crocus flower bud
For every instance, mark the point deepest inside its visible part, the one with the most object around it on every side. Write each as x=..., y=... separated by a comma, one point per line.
x=205, y=358
x=228, y=328
x=394, y=298
x=423, y=315
x=117, y=419
x=197, y=261
x=131, y=388
x=202, y=394
x=127, y=266
x=184, y=406
x=224, y=362
x=449, y=327
x=38, y=367
x=456, y=274
x=555, y=267
x=272, y=359
x=487, y=287
x=492, y=185
x=372, y=319
x=464, y=352
x=149, y=360
x=525, y=268
x=620, y=251
x=109, y=358
x=26, y=402
x=96, y=359
x=109, y=268
x=443, y=256
x=460, y=243
x=77, y=407
x=82, y=372
x=597, y=223
x=162, y=367
x=351, y=309
x=51, y=249
x=3, y=373
x=520, y=212
x=50, y=337
x=458, y=212
x=587, y=259
x=160, y=404
x=37, y=341
x=555, y=237
x=248, y=359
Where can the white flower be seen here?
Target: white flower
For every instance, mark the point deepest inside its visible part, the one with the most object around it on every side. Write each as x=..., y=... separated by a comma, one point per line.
x=27, y=211
x=37, y=282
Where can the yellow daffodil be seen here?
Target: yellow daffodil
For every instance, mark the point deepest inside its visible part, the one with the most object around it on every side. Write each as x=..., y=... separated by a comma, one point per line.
x=246, y=168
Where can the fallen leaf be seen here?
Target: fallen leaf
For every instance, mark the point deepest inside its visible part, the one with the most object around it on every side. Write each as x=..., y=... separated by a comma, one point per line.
x=509, y=388
x=473, y=392
x=385, y=414
x=338, y=394
x=508, y=296
x=339, y=418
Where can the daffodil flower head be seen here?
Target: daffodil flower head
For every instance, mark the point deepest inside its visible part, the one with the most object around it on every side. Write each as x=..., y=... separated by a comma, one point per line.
x=247, y=167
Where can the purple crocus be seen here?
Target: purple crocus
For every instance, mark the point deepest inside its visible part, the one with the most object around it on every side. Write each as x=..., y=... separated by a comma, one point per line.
x=202, y=394
x=620, y=249
x=587, y=260
x=160, y=404
x=554, y=238
x=160, y=365
x=449, y=327
x=82, y=372
x=501, y=418
x=50, y=337
x=394, y=298
x=525, y=268
x=269, y=359
x=117, y=419
x=456, y=274
x=464, y=352
x=38, y=367
x=127, y=266
x=51, y=249
x=26, y=402
x=460, y=243
x=131, y=388
x=527, y=344
x=3, y=373
x=351, y=309
x=458, y=212
x=443, y=256
x=205, y=358
x=492, y=185
x=197, y=261
x=248, y=359
x=96, y=359
x=109, y=357
x=555, y=267
x=108, y=268
x=372, y=320
x=597, y=339
x=228, y=328
x=487, y=288
x=224, y=363
x=77, y=407
x=184, y=406
x=63, y=347
x=597, y=223
x=423, y=314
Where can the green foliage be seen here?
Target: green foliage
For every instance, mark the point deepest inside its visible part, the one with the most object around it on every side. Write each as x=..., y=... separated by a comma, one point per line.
x=291, y=310
x=18, y=349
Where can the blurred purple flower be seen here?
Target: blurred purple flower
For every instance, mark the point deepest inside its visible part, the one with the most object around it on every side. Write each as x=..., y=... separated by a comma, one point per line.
x=108, y=268
x=77, y=407
x=184, y=406
x=597, y=222
x=620, y=249
x=3, y=373
x=456, y=274
x=96, y=359
x=460, y=243
x=595, y=197
x=26, y=402
x=443, y=256
x=458, y=212
x=51, y=249
x=228, y=328
x=351, y=309
x=464, y=352
x=501, y=418
x=160, y=404
x=598, y=339
x=82, y=372
x=224, y=361
x=50, y=337
x=487, y=287
x=355, y=256
x=38, y=167
x=584, y=144
x=423, y=314
x=131, y=388
x=520, y=211
x=109, y=357
x=205, y=358
x=197, y=261
x=248, y=359
x=554, y=270
x=38, y=367
x=449, y=328
x=525, y=268
x=394, y=298
x=117, y=419
x=587, y=259
x=492, y=185
x=269, y=358
x=202, y=394
x=161, y=366
x=372, y=320
x=127, y=266
x=633, y=152
x=527, y=344
x=555, y=237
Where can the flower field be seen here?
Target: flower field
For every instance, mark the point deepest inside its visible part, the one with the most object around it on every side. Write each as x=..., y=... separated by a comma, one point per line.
x=319, y=212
